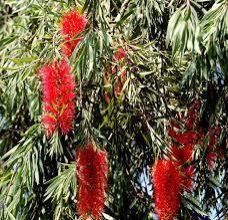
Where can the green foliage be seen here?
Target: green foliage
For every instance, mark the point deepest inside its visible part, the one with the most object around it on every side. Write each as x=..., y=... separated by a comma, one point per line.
x=60, y=191
x=176, y=51
x=183, y=31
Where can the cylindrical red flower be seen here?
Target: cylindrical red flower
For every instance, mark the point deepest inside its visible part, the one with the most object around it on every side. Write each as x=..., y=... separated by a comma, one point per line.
x=120, y=54
x=92, y=171
x=58, y=88
x=187, y=137
x=72, y=24
x=184, y=142
x=167, y=188
x=182, y=156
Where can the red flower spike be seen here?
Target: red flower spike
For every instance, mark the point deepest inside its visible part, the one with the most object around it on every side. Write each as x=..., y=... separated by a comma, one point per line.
x=167, y=189
x=68, y=48
x=187, y=179
x=92, y=170
x=120, y=54
x=58, y=97
x=184, y=155
x=72, y=24
x=188, y=137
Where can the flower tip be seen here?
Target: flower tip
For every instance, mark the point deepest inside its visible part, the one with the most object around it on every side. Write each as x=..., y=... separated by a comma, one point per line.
x=120, y=54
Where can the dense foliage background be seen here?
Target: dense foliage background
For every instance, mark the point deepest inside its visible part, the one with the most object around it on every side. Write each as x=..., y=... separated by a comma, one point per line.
x=176, y=52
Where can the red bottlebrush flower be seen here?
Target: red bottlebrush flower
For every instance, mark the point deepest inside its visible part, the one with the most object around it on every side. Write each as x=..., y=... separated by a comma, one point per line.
x=92, y=170
x=188, y=137
x=68, y=47
x=58, y=97
x=184, y=144
x=184, y=155
x=167, y=189
x=120, y=54
x=187, y=179
x=72, y=24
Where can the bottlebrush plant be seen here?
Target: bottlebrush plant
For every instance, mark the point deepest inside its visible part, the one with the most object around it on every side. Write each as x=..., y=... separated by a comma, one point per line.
x=184, y=142
x=167, y=203
x=171, y=177
x=92, y=171
x=72, y=24
x=194, y=134
x=156, y=57
x=58, y=94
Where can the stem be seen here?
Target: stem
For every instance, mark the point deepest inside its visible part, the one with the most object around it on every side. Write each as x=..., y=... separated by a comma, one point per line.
x=188, y=3
x=122, y=9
